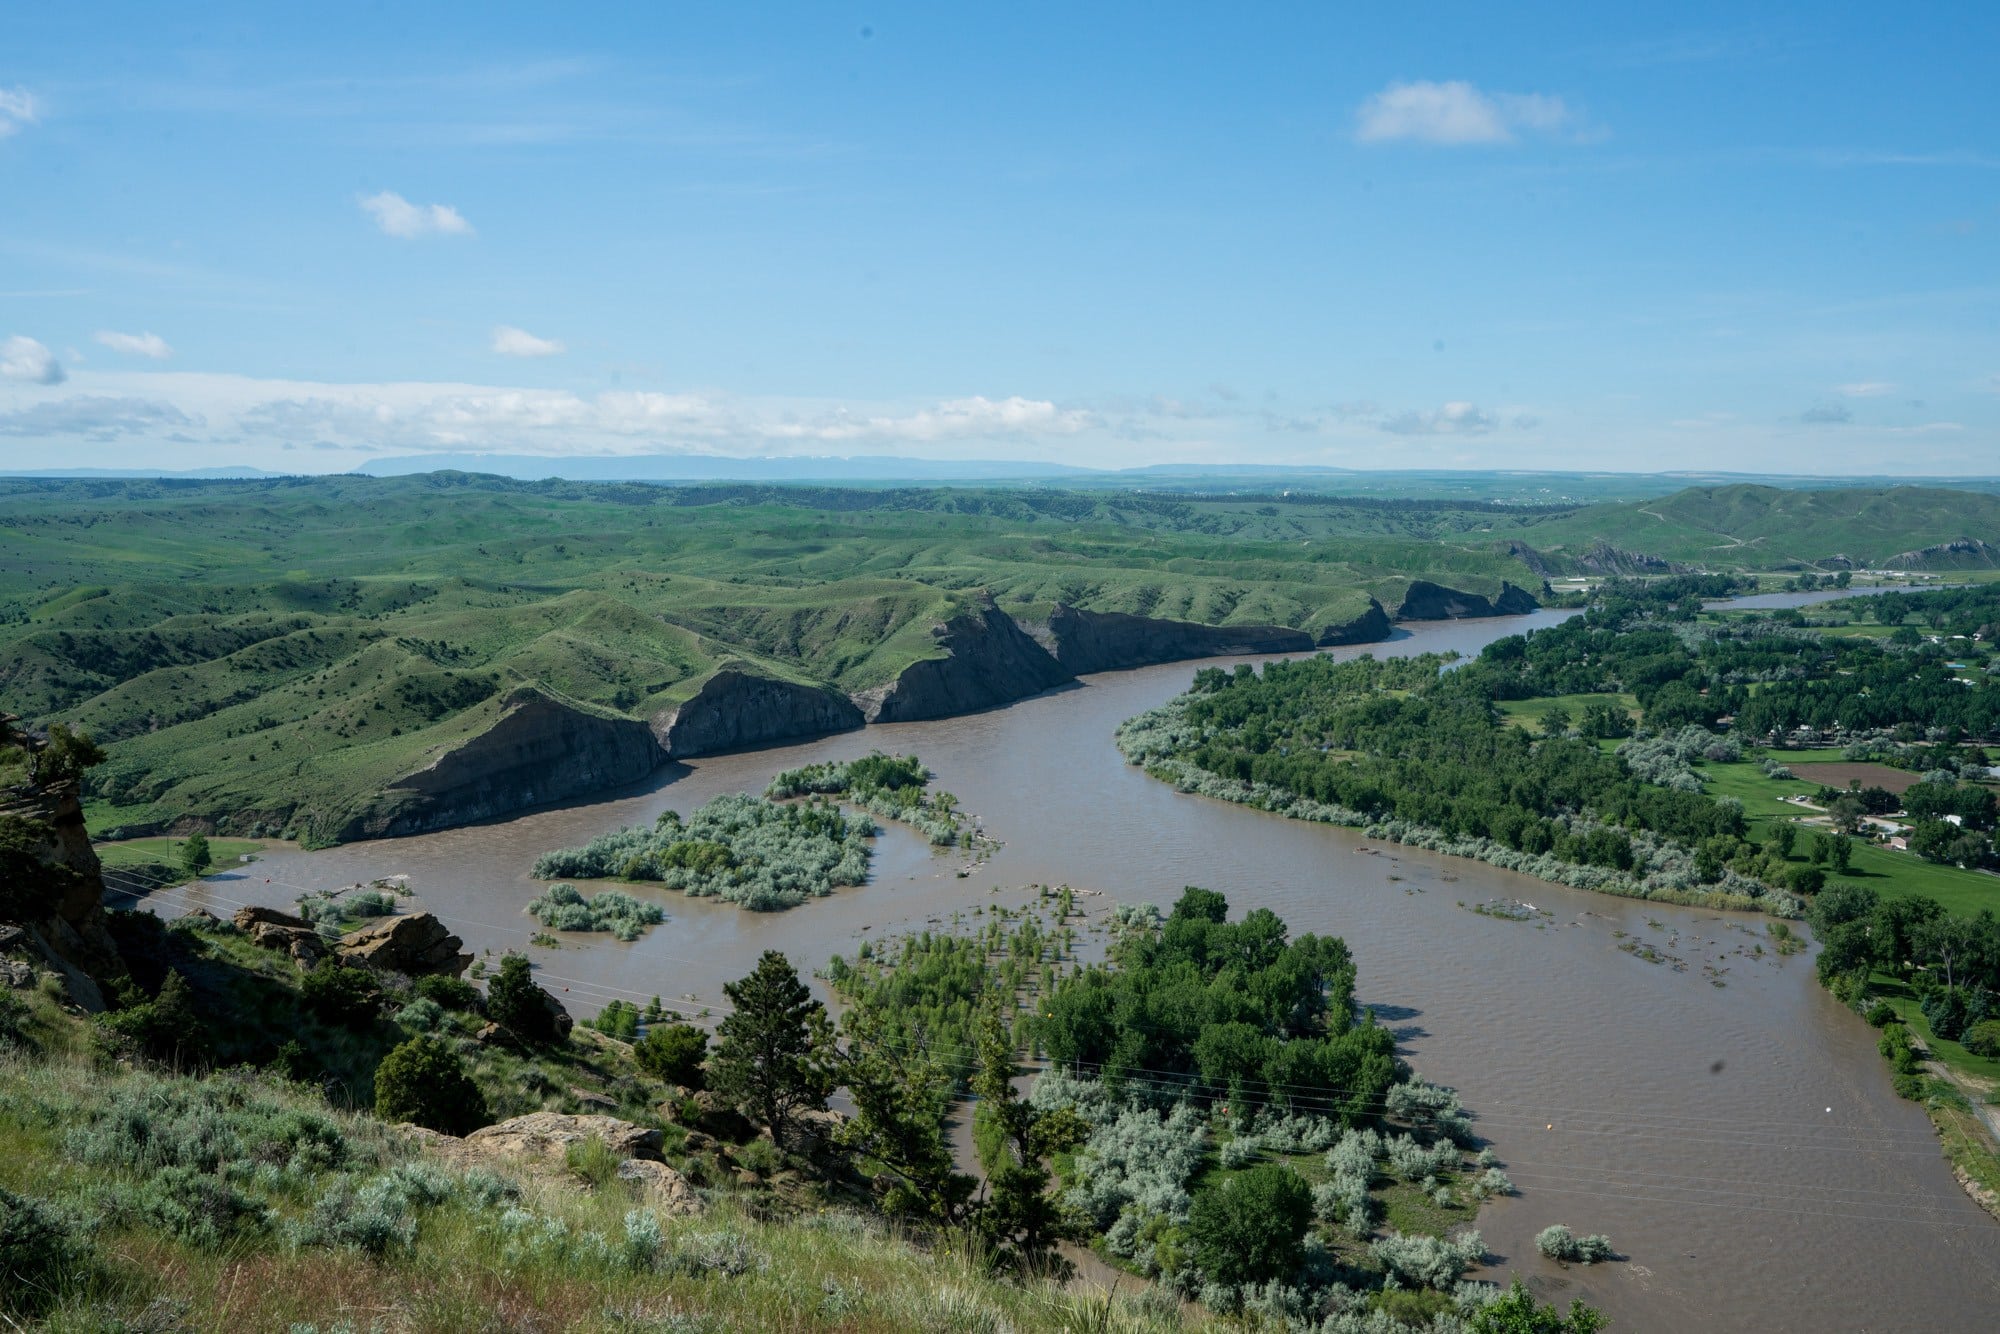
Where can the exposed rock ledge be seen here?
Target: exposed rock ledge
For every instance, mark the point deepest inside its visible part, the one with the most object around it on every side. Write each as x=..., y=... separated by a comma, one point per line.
x=1370, y=627
x=988, y=660
x=1109, y=641
x=539, y=750
x=1426, y=601
x=737, y=709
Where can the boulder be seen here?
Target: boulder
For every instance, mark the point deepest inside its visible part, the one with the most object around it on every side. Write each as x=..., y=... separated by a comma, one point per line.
x=247, y=919
x=16, y=976
x=273, y=930
x=664, y=1188
x=549, y=1135
x=413, y=945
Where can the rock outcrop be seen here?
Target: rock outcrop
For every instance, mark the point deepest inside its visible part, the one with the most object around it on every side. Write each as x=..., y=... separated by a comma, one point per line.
x=1108, y=641
x=1370, y=627
x=273, y=930
x=539, y=750
x=736, y=709
x=539, y=1142
x=58, y=873
x=413, y=945
x=987, y=660
x=1968, y=553
x=1426, y=601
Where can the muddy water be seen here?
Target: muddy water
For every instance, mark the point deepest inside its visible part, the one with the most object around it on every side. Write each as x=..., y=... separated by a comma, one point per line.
x=1643, y=1071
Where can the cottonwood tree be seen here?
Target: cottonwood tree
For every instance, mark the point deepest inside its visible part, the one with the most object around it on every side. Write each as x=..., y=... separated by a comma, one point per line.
x=774, y=1055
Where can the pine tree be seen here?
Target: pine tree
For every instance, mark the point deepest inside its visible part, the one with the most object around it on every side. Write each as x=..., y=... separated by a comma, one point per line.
x=1021, y=1220
x=774, y=1055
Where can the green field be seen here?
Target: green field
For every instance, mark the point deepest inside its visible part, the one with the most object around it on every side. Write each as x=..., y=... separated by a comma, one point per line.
x=1529, y=713
x=138, y=852
x=1888, y=871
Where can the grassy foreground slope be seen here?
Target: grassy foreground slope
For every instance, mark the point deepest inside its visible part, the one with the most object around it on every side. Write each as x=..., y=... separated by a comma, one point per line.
x=267, y=657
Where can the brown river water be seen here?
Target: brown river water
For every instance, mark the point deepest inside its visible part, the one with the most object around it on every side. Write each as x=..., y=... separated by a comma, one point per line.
x=1715, y=1112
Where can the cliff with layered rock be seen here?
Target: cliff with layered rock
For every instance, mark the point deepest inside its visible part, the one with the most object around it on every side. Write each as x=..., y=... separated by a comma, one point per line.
x=51, y=905
x=735, y=709
x=1107, y=641
x=539, y=750
x=987, y=659
x=1426, y=601
x=1370, y=627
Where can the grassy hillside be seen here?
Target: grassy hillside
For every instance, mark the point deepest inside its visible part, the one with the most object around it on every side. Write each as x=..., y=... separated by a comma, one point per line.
x=264, y=654
x=1764, y=528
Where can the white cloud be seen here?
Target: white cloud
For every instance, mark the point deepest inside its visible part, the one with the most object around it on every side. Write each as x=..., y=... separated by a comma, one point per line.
x=397, y=216
x=511, y=342
x=1868, y=389
x=1828, y=414
x=93, y=417
x=1451, y=419
x=18, y=107
x=955, y=418
x=22, y=358
x=1458, y=113
x=136, y=345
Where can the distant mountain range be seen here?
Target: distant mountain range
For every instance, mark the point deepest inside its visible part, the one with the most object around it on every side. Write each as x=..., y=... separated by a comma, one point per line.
x=1506, y=485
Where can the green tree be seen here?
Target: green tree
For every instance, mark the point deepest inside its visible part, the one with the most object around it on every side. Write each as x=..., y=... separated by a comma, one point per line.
x=66, y=755
x=1783, y=835
x=424, y=1082
x=774, y=1055
x=514, y=1002
x=1517, y=1312
x=1556, y=721
x=674, y=1053
x=195, y=856
x=167, y=1028
x=901, y=1097
x=1021, y=1221
x=1250, y=1228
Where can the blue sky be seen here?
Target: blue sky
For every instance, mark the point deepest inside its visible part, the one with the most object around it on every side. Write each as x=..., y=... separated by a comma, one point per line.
x=1755, y=237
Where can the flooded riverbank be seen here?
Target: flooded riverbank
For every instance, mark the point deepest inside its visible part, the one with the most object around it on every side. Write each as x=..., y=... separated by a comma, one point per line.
x=1643, y=1071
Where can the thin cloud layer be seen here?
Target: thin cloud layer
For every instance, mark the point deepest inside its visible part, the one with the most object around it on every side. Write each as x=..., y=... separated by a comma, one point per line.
x=1456, y=113
x=511, y=342
x=1451, y=419
x=25, y=359
x=397, y=216
x=149, y=345
x=18, y=107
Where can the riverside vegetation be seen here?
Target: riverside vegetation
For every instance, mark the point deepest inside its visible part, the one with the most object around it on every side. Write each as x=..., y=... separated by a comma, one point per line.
x=218, y=1152
x=1649, y=749
x=752, y=851
x=1214, y=1115
x=301, y=647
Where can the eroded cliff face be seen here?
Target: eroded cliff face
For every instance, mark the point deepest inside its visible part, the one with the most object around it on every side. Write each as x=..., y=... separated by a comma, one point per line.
x=1108, y=641
x=988, y=660
x=736, y=709
x=72, y=937
x=1370, y=627
x=1426, y=601
x=539, y=750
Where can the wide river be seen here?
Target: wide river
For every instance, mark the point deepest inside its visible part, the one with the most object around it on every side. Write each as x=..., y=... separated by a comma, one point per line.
x=1715, y=1112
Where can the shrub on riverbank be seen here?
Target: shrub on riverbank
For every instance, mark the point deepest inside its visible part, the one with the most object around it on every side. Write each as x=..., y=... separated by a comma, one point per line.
x=758, y=853
x=563, y=908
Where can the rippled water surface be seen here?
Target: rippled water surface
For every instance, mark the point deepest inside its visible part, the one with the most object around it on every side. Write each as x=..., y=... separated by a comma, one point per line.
x=1717, y=1114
